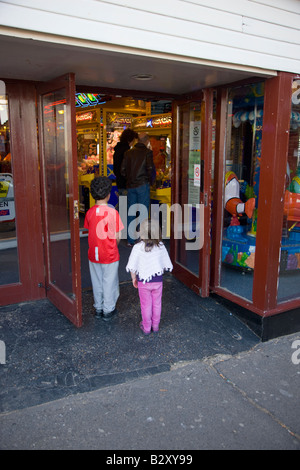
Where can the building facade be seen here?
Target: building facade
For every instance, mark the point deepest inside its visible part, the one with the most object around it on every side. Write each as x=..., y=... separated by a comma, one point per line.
x=217, y=87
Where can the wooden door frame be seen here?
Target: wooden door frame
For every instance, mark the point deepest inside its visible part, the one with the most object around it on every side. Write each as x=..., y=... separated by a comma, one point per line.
x=70, y=306
x=25, y=165
x=200, y=283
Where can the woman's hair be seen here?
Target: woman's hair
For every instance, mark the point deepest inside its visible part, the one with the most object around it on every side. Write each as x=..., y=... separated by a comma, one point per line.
x=100, y=187
x=128, y=135
x=150, y=233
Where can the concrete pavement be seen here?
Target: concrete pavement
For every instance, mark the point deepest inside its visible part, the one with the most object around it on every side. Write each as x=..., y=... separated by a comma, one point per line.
x=245, y=401
x=205, y=381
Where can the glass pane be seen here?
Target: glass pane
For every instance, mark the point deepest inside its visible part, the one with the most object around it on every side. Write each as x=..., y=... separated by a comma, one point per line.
x=9, y=261
x=189, y=171
x=56, y=148
x=241, y=187
x=289, y=278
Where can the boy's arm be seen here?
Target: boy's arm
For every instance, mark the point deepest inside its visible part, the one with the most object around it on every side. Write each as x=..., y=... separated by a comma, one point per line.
x=118, y=237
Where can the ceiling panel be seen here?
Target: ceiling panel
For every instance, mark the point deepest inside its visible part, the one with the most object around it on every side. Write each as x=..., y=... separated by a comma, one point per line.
x=29, y=59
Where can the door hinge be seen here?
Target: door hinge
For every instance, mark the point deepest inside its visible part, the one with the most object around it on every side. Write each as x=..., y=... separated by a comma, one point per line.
x=76, y=210
x=40, y=284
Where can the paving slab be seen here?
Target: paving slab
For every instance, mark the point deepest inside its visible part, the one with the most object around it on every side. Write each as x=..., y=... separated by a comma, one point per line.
x=47, y=358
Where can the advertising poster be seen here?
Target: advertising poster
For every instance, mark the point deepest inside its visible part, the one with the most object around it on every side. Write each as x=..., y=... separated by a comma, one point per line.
x=7, y=204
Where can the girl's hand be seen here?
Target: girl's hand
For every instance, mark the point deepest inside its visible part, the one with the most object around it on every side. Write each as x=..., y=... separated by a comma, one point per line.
x=135, y=283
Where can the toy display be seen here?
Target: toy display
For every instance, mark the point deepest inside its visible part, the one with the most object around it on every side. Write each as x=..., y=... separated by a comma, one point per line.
x=238, y=248
x=233, y=203
x=241, y=199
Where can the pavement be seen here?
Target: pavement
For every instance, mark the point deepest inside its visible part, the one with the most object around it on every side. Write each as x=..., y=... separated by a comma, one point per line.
x=204, y=381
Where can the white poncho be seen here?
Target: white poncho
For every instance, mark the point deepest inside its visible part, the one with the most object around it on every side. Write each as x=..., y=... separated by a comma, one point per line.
x=147, y=264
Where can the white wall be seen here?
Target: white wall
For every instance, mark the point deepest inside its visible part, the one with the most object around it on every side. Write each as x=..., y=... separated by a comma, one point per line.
x=258, y=33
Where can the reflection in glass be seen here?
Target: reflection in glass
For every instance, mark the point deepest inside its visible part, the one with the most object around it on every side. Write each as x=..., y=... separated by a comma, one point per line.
x=189, y=151
x=9, y=262
x=241, y=187
x=289, y=277
x=56, y=147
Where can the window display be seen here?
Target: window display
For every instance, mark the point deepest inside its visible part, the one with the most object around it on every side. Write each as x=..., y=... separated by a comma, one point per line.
x=241, y=186
x=289, y=279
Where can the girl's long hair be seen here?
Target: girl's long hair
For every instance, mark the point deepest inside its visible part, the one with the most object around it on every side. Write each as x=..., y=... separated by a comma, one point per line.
x=150, y=233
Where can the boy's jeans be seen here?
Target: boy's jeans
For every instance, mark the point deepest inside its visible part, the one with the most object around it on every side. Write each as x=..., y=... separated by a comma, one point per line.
x=105, y=282
x=150, y=297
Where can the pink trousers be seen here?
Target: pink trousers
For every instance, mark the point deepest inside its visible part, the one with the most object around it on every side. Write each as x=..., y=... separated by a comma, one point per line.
x=150, y=297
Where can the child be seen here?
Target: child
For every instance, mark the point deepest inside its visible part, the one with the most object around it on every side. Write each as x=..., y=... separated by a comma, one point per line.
x=147, y=262
x=104, y=225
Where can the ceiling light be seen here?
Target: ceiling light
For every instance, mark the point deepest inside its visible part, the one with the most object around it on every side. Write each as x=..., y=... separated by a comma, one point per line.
x=142, y=76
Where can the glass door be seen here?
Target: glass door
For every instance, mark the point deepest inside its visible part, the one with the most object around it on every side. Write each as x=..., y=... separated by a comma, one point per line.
x=57, y=134
x=192, y=128
x=21, y=254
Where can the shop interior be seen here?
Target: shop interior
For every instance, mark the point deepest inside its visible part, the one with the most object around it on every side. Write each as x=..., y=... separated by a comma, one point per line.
x=100, y=120
x=99, y=125
x=241, y=196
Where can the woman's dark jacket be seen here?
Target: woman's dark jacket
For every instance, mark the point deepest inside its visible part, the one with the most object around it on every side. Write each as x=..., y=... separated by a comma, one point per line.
x=120, y=149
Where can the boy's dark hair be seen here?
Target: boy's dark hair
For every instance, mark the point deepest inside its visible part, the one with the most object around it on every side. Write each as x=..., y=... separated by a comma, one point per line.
x=128, y=135
x=100, y=187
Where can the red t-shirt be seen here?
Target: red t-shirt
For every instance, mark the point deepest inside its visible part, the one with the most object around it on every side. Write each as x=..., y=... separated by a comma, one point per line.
x=103, y=222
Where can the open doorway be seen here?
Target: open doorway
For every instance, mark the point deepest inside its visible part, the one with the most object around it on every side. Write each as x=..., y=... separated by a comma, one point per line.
x=100, y=120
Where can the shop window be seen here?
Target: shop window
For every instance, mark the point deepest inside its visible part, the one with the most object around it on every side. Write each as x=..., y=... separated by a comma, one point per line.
x=9, y=272
x=241, y=187
x=289, y=277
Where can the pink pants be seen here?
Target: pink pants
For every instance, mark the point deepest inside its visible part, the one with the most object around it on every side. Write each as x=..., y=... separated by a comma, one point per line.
x=150, y=297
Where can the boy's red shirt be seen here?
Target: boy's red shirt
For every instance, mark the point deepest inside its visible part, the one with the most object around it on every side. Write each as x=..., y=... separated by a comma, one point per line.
x=103, y=222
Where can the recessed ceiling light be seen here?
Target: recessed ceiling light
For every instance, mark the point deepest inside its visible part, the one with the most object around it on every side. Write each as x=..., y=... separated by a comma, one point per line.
x=142, y=76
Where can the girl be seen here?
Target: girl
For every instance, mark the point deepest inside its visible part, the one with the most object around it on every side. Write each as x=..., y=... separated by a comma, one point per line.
x=147, y=262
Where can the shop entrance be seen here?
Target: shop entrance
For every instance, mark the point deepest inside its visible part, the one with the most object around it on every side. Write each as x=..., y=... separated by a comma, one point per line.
x=77, y=133
x=181, y=139
x=100, y=121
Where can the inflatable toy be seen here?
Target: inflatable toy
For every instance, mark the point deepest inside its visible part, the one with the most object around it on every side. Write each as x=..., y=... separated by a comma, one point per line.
x=233, y=203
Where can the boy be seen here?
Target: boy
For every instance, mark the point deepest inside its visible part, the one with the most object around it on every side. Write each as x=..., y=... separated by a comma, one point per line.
x=104, y=225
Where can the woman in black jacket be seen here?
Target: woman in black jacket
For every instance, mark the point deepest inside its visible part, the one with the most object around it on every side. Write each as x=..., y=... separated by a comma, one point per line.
x=127, y=139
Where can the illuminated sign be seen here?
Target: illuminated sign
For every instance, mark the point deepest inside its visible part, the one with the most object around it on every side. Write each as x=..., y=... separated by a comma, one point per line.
x=88, y=116
x=163, y=120
x=88, y=99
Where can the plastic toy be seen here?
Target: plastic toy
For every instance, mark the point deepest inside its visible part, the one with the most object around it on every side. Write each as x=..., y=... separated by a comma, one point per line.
x=233, y=203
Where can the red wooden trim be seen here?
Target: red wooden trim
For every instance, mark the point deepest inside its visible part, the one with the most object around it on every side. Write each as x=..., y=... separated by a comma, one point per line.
x=238, y=300
x=219, y=170
x=74, y=196
x=275, y=137
x=280, y=308
x=206, y=155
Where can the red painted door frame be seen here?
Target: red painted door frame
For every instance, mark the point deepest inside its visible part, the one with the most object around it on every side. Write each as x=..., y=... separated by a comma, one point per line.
x=24, y=150
x=69, y=304
x=200, y=283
